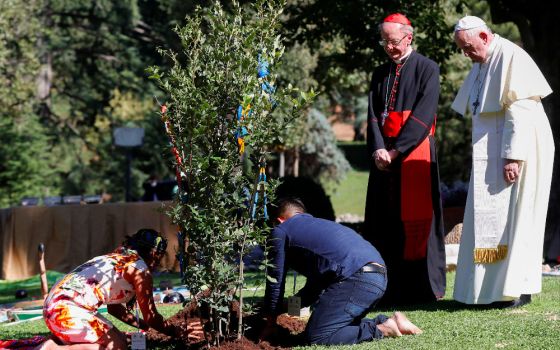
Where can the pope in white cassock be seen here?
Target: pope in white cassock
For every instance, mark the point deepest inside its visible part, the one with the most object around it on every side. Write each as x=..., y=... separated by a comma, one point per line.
x=500, y=255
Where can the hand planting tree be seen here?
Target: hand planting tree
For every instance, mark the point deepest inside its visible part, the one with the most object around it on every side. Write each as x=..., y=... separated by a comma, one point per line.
x=223, y=104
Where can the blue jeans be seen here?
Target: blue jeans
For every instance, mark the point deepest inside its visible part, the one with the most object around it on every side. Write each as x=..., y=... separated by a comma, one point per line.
x=337, y=317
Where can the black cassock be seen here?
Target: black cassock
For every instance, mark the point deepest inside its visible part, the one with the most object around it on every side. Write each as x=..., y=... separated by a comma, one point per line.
x=403, y=217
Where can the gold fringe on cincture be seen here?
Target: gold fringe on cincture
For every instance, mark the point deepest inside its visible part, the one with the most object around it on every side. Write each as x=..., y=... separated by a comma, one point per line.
x=490, y=255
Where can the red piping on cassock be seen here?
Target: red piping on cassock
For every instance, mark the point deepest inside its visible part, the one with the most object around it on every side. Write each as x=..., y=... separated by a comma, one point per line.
x=416, y=190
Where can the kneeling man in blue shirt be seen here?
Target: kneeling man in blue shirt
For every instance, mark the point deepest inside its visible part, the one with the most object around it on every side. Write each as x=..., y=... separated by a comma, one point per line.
x=345, y=275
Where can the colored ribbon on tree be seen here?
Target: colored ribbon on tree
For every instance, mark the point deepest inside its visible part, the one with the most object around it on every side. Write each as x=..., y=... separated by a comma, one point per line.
x=244, y=112
x=172, y=141
x=241, y=132
x=263, y=72
x=261, y=187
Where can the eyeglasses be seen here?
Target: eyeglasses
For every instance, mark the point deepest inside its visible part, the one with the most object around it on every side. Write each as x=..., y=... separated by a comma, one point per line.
x=393, y=43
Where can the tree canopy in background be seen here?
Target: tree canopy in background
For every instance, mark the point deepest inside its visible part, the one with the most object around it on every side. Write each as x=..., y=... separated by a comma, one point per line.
x=24, y=151
x=345, y=34
x=89, y=77
x=95, y=53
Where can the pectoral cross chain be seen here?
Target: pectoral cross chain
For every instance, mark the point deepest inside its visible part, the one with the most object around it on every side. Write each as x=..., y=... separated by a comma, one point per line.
x=480, y=79
x=475, y=106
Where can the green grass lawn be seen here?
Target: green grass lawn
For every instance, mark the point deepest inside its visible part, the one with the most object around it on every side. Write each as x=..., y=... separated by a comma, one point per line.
x=446, y=324
x=349, y=197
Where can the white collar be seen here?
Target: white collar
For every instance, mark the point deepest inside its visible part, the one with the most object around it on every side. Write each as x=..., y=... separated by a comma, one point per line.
x=490, y=50
x=408, y=53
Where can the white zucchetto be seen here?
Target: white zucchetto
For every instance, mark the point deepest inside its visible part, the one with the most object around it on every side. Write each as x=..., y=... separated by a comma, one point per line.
x=469, y=22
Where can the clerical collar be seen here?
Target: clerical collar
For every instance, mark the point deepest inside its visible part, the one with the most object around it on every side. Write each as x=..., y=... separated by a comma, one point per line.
x=404, y=57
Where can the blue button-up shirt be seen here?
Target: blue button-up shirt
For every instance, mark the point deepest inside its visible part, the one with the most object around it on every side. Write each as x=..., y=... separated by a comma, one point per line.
x=323, y=251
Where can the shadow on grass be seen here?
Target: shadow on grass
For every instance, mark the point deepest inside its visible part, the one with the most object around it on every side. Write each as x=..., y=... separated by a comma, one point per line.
x=442, y=305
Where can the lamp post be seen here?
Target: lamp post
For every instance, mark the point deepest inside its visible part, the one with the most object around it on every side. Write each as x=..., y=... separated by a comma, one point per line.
x=128, y=138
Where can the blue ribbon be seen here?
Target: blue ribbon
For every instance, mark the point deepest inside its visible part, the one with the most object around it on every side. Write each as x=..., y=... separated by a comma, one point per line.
x=261, y=181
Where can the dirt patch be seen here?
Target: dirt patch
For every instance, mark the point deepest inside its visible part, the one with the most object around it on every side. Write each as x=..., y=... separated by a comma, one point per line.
x=293, y=325
x=289, y=333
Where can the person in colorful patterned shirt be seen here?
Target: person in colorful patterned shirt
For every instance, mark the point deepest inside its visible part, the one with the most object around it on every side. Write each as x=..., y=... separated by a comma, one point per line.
x=115, y=279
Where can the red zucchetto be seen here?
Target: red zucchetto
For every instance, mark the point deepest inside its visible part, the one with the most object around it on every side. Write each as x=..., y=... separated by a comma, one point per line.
x=397, y=18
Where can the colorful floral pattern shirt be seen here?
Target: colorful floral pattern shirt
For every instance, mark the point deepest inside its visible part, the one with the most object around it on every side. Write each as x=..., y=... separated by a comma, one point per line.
x=100, y=280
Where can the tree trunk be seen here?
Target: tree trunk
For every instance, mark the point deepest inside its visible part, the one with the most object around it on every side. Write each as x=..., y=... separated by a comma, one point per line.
x=240, y=319
x=44, y=80
x=45, y=76
x=296, y=162
x=539, y=32
x=43, y=271
x=282, y=165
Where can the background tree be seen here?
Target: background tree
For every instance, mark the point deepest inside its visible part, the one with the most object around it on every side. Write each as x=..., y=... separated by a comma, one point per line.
x=24, y=148
x=90, y=58
x=222, y=96
x=320, y=157
x=310, y=145
x=93, y=51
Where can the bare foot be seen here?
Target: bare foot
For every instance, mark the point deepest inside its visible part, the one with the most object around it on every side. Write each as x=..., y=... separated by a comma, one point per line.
x=389, y=328
x=404, y=324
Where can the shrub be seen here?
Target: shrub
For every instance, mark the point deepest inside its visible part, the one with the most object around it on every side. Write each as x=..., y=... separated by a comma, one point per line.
x=222, y=98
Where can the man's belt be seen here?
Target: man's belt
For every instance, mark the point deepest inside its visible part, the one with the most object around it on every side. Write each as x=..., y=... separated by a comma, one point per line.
x=373, y=267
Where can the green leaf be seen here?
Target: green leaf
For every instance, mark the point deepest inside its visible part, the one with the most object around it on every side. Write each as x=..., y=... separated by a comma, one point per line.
x=271, y=279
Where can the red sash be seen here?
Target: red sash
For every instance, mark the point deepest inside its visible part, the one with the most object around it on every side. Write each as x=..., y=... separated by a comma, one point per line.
x=416, y=190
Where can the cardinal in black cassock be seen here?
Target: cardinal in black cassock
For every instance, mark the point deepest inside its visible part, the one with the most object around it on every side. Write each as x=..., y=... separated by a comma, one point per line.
x=403, y=217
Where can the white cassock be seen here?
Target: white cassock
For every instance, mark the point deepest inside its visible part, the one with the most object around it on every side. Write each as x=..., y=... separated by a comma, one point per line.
x=504, y=224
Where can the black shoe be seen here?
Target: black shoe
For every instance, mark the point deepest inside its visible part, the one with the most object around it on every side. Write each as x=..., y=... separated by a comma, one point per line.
x=502, y=304
x=524, y=299
x=512, y=304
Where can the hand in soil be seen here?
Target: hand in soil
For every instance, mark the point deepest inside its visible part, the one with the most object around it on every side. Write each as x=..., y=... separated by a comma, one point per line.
x=195, y=331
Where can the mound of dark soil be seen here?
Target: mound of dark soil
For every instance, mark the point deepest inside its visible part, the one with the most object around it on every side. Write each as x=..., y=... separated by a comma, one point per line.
x=289, y=333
